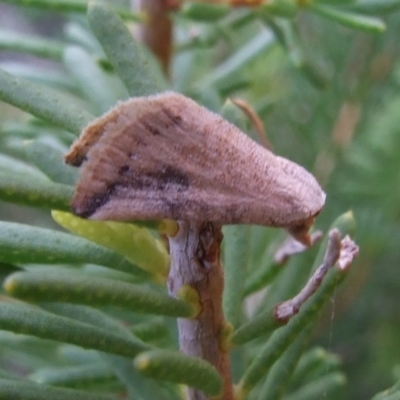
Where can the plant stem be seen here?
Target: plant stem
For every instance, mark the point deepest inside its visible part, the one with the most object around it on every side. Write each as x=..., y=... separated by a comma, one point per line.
x=195, y=255
x=156, y=33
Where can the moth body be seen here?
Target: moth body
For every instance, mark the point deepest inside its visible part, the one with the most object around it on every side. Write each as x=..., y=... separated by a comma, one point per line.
x=164, y=156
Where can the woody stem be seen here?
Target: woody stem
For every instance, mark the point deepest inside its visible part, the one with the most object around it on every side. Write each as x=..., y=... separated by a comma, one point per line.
x=195, y=255
x=156, y=33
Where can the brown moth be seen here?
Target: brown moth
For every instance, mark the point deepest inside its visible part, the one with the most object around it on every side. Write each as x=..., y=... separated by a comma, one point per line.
x=165, y=156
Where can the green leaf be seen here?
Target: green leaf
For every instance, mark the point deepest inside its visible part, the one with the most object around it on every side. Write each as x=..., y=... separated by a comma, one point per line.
x=257, y=326
x=280, y=374
x=315, y=361
x=26, y=244
x=138, y=387
x=207, y=38
x=11, y=165
x=29, y=320
x=50, y=160
x=93, y=291
x=323, y=387
x=122, y=367
x=4, y=374
x=204, y=12
x=30, y=351
x=37, y=192
x=88, y=315
x=124, y=53
x=91, y=79
x=29, y=130
x=236, y=63
x=54, y=79
x=88, y=376
x=81, y=35
x=287, y=34
x=136, y=243
x=28, y=44
x=76, y=6
x=265, y=273
x=236, y=258
x=280, y=8
x=351, y=20
x=151, y=330
x=76, y=355
x=18, y=390
x=393, y=396
x=373, y=6
x=43, y=103
x=389, y=394
x=7, y=269
x=283, y=337
x=177, y=367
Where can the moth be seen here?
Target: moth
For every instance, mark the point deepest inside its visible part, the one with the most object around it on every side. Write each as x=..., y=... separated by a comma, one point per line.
x=165, y=156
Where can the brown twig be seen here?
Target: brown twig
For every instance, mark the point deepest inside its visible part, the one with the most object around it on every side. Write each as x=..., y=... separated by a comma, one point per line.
x=255, y=120
x=195, y=263
x=348, y=252
x=339, y=251
x=346, y=124
x=156, y=33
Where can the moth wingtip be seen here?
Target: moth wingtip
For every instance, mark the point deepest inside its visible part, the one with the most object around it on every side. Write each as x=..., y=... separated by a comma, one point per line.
x=301, y=230
x=73, y=158
x=301, y=234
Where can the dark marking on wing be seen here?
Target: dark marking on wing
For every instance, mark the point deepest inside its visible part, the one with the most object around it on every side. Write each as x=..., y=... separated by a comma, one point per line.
x=80, y=161
x=168, y=178
x=175, y=120
x=152, y=129
x=136, y=140
x=171, y=175
x=94, y=202
x=157, y=180
x=140, y=142
x=124, y=170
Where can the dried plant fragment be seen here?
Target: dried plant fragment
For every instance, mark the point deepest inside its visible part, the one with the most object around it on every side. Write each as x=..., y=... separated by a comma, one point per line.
x=290, y=247
x=340, y=252
x=348, y=252
x=164, y=156
x=256, y=121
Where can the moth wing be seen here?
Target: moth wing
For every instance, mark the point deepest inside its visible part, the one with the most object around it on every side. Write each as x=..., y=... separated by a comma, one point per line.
x=164, y=156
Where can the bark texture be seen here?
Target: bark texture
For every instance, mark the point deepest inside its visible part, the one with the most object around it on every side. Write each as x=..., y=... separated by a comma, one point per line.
x=195, y=254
